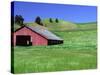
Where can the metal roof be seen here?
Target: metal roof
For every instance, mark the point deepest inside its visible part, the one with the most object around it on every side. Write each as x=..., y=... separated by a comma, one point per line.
x=44, y=32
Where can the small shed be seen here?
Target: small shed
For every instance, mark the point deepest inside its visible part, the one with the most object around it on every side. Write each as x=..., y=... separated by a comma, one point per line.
x=35, y=36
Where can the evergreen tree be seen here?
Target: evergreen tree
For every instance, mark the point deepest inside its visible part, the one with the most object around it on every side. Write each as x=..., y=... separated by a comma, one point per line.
x=50, y=20
x=56, y=20
x=38, y=20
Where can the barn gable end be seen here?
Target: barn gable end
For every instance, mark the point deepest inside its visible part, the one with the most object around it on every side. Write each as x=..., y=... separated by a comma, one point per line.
x=36, y=39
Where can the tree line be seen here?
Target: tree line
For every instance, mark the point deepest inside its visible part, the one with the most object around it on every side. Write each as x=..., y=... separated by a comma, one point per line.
x=18, y=19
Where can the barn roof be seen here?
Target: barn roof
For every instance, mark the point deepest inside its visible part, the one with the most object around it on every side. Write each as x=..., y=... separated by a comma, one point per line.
x=44, y=32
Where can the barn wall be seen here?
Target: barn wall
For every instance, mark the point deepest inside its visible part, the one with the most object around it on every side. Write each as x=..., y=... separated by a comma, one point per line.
x=36, y=38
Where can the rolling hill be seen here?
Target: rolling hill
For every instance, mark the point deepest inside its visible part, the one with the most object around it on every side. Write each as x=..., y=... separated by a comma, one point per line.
x=62, y=25
x=90, y=25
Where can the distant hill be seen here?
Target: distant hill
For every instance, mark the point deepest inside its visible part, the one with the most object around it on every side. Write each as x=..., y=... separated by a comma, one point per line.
x=89, y=25
x=62, y=25
x=86, y=23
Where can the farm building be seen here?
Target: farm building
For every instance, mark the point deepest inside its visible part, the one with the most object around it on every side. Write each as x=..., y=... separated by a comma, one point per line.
x=37, y=35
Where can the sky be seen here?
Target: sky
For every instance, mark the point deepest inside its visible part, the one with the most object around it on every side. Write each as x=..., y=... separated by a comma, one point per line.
x=72, y=13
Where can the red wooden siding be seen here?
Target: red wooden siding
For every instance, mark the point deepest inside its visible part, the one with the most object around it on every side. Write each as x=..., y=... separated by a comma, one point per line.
x=36, y=38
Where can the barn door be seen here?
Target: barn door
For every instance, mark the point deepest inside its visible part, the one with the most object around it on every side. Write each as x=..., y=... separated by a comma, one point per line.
x=23, y=40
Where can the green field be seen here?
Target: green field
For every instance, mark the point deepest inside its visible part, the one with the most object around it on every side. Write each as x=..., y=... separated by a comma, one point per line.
x=79, y=51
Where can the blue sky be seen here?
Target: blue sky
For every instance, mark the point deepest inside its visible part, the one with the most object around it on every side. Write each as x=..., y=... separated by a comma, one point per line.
x=72, y=13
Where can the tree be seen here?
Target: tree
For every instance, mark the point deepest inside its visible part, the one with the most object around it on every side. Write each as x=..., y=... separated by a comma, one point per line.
x=16, y=19
x=38, y=20
x=51, y=20
x=19, y=20
x=56, y=20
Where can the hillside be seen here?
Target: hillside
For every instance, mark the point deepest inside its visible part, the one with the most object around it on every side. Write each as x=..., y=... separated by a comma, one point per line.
x=16, y=26
x=78, y=52
x=90, y=25
x=62, y=25
x=77, y=46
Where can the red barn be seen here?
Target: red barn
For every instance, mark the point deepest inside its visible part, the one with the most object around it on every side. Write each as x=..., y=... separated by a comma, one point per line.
x=36, y=35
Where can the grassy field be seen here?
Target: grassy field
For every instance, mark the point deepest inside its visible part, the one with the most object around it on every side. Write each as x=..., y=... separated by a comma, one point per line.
x=79, y=51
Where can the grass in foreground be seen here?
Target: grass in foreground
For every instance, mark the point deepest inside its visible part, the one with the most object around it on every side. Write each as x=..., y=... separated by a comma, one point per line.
x=79, y=51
